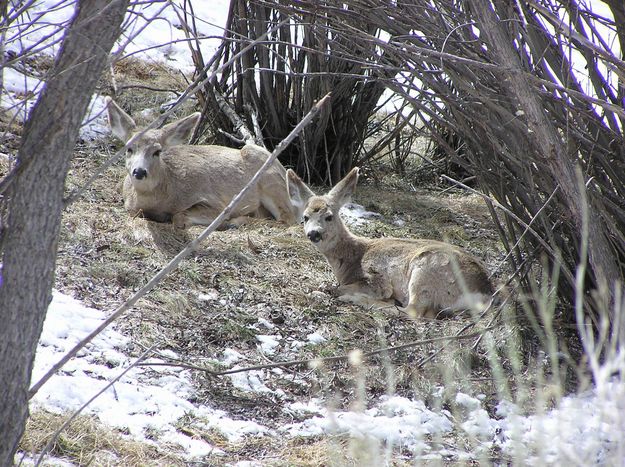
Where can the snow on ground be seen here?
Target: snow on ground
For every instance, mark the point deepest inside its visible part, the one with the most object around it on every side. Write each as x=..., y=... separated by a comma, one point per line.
x=151, y=31
x=355, y=214
x=583, y=430
x=149, y=26
x=144, y=401
x=586, y=429
x=395, y=420
x=269, y=343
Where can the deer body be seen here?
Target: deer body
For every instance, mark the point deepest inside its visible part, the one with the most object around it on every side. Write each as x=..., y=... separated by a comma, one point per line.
x=423, y=276
x=168, y=180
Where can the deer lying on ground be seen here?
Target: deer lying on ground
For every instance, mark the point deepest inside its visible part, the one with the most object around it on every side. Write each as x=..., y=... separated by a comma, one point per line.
x=169, y=180
x=424, y=276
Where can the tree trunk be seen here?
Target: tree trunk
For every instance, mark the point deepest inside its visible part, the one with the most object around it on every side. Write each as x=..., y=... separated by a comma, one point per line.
x=35, y=202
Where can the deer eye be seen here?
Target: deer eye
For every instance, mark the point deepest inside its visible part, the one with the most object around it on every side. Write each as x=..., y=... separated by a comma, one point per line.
x=156, y=153
x=306, y=218
x=129, y=151
x=329, y=218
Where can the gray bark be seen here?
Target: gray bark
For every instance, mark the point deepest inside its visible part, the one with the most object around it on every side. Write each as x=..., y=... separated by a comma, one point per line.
x=35, y=201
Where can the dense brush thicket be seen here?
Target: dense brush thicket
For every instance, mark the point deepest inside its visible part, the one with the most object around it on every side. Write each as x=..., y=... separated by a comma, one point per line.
x=532, y=90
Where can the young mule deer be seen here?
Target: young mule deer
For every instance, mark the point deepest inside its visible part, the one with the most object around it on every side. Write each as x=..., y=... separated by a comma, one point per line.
x=169, y=180
x=424, y=276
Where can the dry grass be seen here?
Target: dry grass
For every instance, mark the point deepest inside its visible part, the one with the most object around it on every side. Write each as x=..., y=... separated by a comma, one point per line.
x=261, y=270
x=87, y=442
x=270, y=271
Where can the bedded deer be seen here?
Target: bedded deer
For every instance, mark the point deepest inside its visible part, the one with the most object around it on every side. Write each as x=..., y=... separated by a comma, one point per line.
x=169, y=180
x=425, y=277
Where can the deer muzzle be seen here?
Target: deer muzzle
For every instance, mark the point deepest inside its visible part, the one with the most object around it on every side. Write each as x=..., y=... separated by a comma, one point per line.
x=314, y=236
x=139, y=173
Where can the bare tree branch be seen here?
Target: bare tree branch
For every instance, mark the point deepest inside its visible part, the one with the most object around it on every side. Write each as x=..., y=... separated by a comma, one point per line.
x=187, y=250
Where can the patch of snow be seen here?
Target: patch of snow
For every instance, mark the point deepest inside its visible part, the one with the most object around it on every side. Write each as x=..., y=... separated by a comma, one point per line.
x=40, y=28
x=480, y=426
x=156, y=34
x=586, y=429
x=151, y=31
x=313, y=406
x=209, y=296
x=315, y=338
x=355, y=214
x=467, y=401
x=145, y=401
x=19, y=83
x=396, y=421
x=231, y=356
x=296, y=345
x=269, y=343
x=265, y=323
x=250, y=381
x=95, y=124
x=246, y=464
x=50, y=461
x=18, y=93
x=582, y=429
x=233, y=430
x=399, y=222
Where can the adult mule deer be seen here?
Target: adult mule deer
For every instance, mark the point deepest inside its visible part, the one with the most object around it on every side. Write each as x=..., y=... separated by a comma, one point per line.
x=169, y=180
x=424, y=276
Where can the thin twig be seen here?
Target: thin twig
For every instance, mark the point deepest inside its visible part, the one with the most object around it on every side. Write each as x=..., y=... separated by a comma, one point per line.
x=514, y=216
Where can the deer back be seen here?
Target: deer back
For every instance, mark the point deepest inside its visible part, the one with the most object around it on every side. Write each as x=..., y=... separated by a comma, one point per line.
x=186, y=175
x=165, y=175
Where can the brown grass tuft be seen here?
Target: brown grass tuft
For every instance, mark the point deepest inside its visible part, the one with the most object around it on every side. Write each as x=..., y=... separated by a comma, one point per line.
x=88, y=442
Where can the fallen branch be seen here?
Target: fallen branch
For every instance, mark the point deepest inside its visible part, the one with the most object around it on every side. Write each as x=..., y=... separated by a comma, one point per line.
x=237, y=122
x=314, y=361
x=192, y=246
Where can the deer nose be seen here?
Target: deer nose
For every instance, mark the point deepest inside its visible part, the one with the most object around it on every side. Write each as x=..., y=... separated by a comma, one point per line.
x=314, y=236
x=139, y=174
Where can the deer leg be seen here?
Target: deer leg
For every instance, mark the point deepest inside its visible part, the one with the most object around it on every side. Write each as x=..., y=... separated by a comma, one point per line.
x=203, y=215
x=415, y=311
x=420, y=300
x=198, y=214
x=237, y=222
x=367, y=294
x=275, y=202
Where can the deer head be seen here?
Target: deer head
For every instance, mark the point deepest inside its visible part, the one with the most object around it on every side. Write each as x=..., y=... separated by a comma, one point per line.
x=322, y=223
x=145, y=147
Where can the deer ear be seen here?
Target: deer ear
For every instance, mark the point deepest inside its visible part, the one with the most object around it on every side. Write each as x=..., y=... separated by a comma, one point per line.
x=343, y=190
x=180, y=131
x=299, y=193
x=122, y=125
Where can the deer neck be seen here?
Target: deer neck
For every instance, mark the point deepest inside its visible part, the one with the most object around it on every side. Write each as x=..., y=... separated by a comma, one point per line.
x=345, y=256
